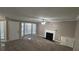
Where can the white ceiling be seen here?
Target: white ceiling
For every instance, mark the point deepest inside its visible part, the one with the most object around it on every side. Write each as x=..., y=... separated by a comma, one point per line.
x=36, y=14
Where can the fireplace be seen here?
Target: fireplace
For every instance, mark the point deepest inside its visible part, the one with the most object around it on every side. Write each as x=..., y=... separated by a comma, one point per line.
x=49, y=36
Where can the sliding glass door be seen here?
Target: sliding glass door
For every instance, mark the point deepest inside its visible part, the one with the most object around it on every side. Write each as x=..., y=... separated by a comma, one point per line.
x=2, y=30
x=33, y=28
x=28, y=28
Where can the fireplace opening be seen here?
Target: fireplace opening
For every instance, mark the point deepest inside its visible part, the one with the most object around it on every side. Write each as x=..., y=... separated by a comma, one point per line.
x=49, y=36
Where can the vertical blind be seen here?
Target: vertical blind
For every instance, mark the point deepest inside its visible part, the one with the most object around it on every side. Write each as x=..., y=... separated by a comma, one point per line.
x=28, y=28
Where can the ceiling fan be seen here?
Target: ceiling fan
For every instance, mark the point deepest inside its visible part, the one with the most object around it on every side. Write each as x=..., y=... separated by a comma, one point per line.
x=43, y=22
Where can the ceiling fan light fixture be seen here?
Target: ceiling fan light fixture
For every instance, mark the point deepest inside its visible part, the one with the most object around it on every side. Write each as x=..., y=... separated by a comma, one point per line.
x=43, y=22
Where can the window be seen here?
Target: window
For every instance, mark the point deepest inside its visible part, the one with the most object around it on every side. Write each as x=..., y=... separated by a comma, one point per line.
x=28, y=28
x=2, y=30
x=34, y=29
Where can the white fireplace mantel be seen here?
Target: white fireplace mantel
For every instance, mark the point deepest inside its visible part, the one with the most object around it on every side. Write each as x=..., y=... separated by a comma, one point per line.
x=50, y=31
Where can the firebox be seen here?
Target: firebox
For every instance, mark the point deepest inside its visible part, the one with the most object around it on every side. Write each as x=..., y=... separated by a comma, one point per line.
x=49, y=36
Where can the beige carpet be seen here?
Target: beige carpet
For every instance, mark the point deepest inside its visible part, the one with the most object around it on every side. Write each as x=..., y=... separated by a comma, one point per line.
x=36, y=43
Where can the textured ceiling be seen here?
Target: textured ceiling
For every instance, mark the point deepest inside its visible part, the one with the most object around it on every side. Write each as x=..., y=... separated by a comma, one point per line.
x=38, y=13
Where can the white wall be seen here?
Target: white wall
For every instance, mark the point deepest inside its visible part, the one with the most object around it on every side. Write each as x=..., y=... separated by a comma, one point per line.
x=76, y=42
x=13, y=30
x=64, y=31
x=66, y=28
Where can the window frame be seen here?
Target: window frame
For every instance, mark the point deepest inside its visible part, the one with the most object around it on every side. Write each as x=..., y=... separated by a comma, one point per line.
x=4, y=22
x=24, y=28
